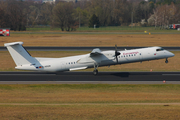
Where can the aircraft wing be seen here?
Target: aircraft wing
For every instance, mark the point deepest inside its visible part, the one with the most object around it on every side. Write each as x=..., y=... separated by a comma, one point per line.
x=95, y=55
x=95, y=52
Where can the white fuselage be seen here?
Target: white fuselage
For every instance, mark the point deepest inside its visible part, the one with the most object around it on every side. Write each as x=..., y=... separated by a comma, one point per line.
x=106, y=58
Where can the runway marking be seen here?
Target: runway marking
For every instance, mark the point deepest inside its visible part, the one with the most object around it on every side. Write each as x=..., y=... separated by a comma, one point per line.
x=69, y=104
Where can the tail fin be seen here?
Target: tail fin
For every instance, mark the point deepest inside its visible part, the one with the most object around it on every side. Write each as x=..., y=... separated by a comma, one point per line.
x=19, y=54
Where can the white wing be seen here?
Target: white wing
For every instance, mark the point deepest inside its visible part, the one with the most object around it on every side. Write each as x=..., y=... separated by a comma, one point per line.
x=94, y=56
x=95, y=52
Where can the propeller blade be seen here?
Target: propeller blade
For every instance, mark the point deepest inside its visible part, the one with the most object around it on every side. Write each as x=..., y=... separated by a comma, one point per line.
x=116, y=59
x=116, y=53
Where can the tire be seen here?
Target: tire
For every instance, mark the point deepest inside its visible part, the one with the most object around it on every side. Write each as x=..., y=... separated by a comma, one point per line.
x=95, y=72
x=166, y=61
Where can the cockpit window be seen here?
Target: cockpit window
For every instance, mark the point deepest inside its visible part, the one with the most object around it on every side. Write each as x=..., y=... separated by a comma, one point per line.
x=161, y=49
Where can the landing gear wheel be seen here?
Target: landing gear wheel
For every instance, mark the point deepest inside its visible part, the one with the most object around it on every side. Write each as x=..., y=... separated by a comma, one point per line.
x=95, y=72
x=166, y=61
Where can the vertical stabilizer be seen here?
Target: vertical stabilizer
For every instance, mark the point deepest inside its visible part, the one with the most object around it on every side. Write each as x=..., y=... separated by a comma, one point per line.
x=19, y=54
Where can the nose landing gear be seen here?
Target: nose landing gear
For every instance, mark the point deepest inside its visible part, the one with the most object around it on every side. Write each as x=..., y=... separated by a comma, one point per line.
x=166, y=60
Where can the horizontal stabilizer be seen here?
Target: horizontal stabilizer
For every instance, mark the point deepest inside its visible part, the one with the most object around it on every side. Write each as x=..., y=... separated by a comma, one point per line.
x=13, y=43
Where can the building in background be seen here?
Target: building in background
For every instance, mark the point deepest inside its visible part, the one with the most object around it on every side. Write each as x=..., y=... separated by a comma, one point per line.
x=53, y=1
x=50, y=1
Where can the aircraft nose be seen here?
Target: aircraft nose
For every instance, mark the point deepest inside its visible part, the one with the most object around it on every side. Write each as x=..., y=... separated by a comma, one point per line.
x=170, y=54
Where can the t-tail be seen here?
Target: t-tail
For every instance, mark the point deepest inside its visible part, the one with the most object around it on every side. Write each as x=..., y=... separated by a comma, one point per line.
x=20, y=56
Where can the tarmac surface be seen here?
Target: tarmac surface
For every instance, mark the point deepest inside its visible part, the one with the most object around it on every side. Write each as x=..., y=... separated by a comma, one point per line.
x=89, y=78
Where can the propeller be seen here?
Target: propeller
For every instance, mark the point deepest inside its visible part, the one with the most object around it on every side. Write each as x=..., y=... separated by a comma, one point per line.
x=116, y=53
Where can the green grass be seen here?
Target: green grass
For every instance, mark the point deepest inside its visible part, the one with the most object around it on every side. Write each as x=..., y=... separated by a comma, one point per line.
x=89, y=93
x=89, y=112
x=123, y=29
x=43, y=29
x=110, y=87
x=106, y=87
x=108, y=29
x=89, y=102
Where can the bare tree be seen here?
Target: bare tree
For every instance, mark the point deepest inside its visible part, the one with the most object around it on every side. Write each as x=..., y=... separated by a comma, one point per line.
x=156, y=11
x=17, y=17
x=17, y=14
x=4, y=17
x=63, y=16
x=163, y=15
x=110, y=12
x=175, y=13
x=45, y=14
x=33, y=14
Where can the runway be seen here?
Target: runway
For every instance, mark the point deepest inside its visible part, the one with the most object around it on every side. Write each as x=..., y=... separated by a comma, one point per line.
x=89, y=78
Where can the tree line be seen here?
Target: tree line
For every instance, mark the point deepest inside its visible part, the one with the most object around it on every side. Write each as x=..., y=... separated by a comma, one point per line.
x=19, y=14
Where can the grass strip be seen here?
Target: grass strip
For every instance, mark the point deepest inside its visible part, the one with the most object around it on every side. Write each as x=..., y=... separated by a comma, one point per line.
x=89, y=93
x=89, y=101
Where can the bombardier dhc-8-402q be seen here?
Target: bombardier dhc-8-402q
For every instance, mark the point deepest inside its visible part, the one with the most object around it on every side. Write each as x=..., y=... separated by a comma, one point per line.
x=95, y=59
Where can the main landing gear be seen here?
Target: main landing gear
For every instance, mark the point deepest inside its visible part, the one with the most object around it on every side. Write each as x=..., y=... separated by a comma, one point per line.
x=166, y=60
x=95, y=72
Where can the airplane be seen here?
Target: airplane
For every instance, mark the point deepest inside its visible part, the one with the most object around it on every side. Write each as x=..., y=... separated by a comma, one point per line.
x=95, y=59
